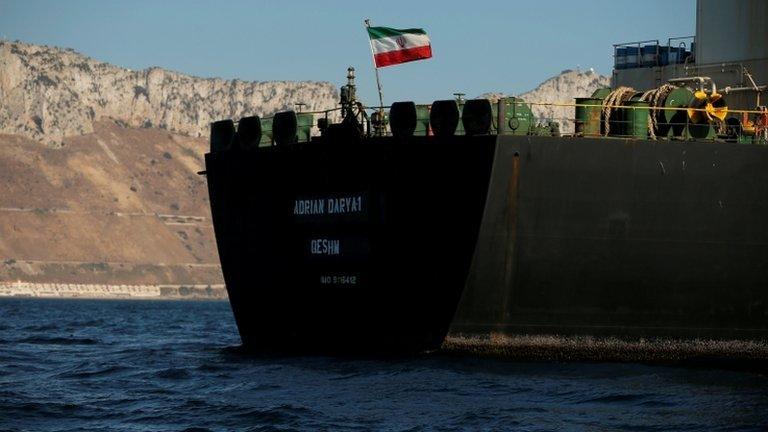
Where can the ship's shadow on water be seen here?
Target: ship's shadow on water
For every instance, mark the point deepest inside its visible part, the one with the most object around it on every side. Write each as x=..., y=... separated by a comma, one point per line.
x=174, y=366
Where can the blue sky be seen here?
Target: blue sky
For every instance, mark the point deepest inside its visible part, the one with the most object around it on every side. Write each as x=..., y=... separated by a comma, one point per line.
x=478, y=46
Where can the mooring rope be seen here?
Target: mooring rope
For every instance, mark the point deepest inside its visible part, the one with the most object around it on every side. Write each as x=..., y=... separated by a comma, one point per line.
x=616, y=97
x=654, y=97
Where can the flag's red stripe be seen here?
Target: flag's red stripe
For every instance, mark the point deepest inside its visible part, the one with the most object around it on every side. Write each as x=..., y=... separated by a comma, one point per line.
x=402, y=56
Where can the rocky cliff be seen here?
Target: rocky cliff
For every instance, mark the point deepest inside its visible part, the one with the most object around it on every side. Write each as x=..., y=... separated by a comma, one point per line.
x=562, y=88
x=47, y=94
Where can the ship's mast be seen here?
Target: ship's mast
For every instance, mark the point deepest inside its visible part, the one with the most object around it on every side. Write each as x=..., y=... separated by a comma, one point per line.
x=378, y=118
x=375, y=68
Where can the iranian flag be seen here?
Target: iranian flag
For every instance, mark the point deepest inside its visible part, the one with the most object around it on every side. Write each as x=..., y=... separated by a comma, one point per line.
x=394, y=46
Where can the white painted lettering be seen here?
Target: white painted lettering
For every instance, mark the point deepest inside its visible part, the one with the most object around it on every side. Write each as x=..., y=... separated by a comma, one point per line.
x=324, y=247
x=309, y=207
x=348, y=204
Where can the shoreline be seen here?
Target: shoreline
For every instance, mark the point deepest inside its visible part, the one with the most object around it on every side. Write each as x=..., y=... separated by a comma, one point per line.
x=137, y=299
x=112, y=292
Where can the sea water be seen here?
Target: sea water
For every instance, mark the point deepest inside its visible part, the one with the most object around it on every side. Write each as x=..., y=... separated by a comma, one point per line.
x=69, y=365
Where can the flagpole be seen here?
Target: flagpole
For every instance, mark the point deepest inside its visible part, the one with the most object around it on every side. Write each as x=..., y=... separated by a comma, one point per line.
x=375, y=68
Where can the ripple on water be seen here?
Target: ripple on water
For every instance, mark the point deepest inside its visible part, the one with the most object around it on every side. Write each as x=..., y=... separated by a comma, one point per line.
x=213, y=367
x=615, y=398
x=286, y=414
x=92, y=372
x=173, y=374
x=54, y=340
x=264, y=387
x=43, y=327
x=49, y=410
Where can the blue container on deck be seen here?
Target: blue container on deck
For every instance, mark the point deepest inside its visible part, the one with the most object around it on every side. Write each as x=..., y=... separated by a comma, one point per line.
x=675, y=55
x=633, y=53
x=668, y=55
x=620, y=62
x=650, y=55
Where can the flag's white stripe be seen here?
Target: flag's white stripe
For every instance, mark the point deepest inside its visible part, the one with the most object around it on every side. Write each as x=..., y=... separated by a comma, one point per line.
x=409, y=40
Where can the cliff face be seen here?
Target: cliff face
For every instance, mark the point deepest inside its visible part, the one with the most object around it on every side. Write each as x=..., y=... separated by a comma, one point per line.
x=562, y=88
x=47, y=94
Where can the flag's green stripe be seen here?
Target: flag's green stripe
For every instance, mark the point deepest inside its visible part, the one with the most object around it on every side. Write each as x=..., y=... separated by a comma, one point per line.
x=380, y=32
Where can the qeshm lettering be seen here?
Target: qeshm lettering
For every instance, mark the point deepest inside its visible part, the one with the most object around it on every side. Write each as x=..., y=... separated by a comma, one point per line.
x=328, y=247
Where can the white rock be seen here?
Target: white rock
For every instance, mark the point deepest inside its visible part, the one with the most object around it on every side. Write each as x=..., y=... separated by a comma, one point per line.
x=561, y=89
x=48, y=93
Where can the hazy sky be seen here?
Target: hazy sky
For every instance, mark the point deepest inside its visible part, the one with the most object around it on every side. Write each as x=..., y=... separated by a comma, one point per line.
x=478, y=45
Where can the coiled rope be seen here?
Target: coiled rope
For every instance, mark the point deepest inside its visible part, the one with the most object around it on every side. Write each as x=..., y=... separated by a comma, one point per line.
x=654, y=98
x=616, y=97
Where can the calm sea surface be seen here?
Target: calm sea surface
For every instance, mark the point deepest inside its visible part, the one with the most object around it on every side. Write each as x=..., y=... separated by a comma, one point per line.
x=173, y=366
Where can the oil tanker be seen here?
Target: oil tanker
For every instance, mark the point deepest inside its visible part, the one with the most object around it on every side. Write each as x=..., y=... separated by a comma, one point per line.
x=388, y=229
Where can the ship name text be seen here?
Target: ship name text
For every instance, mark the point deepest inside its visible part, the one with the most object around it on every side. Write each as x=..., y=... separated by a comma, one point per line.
x=320, y=206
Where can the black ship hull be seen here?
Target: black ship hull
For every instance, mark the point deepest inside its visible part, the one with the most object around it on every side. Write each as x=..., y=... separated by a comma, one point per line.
x=384, y=246
x=348, y=247
x=623, y=238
